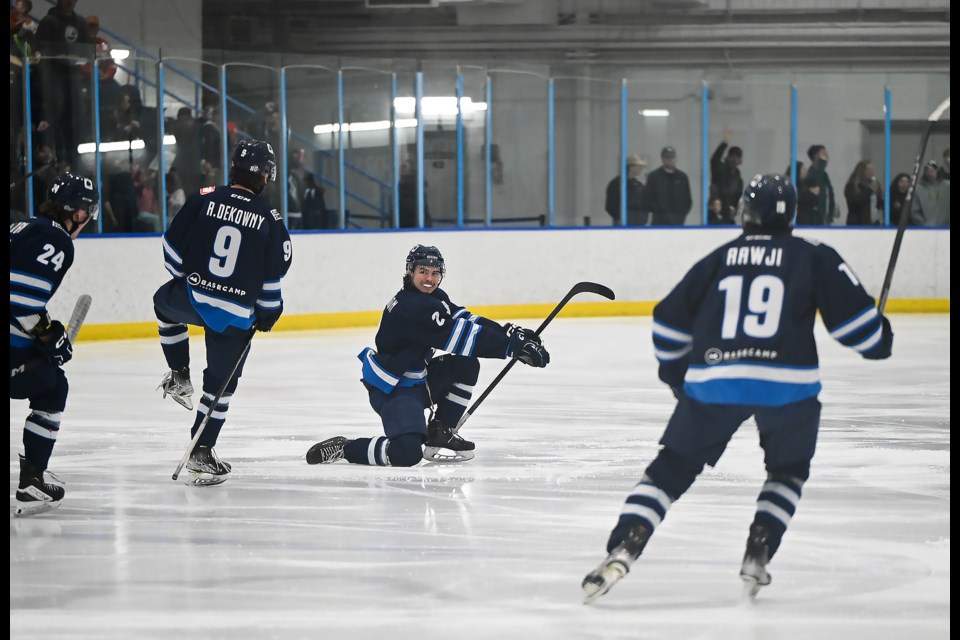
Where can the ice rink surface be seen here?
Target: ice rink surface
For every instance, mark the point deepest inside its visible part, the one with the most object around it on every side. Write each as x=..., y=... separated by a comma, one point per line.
x=495, y=547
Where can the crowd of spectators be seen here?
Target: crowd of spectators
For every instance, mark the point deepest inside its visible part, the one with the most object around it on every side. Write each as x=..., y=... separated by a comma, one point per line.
x=63, y=44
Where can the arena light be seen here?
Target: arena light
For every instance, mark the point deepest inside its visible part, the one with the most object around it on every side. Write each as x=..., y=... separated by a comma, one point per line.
x=119, y=54
x=123, y=145
x=375, y=125
x=438, y=105
x=654, y=113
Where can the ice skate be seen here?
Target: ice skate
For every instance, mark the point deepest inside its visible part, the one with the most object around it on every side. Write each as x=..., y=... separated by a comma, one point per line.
x=36, y=493
x=206, y=469
x=616, y=565
x=753, y=571
x=177, y=385
x=328, y=451
x=440, y=437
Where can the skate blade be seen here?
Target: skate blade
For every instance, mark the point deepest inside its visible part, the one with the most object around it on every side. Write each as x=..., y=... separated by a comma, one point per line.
x=34, y=508
x=599, y=582
x=750, y=587
x=438, y=454
x=195, y=479
x=183, y=401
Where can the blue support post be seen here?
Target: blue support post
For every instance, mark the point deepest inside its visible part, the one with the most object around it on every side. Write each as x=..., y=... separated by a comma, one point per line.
x=887, y=99
x=705, y=151
x=284, y=202
x=623, y=152
x=488, y=125
x=161, y=155
x=418, y=98
x=28, y=134
x=459, y=150
x=340, y=158
x=793, y=132
x=225, y=135
x=551, y=150
x=395, y=144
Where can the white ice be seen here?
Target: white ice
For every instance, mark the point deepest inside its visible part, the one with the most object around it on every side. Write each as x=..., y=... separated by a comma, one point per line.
x=491, y=548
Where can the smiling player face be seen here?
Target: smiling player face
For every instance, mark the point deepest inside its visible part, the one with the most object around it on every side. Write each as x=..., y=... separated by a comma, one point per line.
x=426, y=279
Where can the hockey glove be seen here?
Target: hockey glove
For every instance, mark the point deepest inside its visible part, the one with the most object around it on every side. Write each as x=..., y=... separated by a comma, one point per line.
x=511, y=328
x=884, y=348
x=55, y=344
x=266, y=318
x=526, y=347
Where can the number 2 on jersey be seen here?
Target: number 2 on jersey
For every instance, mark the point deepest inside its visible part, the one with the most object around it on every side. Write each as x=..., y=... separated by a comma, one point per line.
x=764, y=302
x=226, y=248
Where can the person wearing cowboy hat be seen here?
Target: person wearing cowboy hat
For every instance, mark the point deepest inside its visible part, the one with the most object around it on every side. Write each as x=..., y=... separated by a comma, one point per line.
x=637, y=213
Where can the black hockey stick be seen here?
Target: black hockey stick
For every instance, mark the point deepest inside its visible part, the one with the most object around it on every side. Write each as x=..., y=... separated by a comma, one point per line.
x=24, y=178
x=580, y=287
x=213, y=404
x=907, y=203
x=79, y=314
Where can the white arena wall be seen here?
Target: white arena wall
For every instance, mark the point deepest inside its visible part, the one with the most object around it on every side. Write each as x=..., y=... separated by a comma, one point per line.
x=343, y=279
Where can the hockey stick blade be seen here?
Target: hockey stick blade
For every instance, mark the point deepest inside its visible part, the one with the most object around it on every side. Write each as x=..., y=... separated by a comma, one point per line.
x=78, y=316
x=580, y=287
x=908, y=204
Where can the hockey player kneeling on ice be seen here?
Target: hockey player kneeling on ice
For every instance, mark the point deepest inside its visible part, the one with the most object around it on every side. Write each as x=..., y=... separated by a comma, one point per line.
x=403, y=378
x=227, y=251
x=735, y=339
x=41, y=253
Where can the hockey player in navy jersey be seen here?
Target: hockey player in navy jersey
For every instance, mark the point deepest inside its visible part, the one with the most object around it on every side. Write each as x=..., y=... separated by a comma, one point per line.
x=227, y=251
x=734, y=339
x=403, y=378
x=41, y=253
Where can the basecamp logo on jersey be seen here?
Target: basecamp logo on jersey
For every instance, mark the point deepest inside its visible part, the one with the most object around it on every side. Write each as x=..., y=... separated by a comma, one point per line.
x=716, y=356
x=195, y=281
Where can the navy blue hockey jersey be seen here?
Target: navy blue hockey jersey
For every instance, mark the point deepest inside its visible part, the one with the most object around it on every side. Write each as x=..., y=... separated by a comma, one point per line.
x=413, y=324
x=233, y=249
x=41, y=253
x=738, y=329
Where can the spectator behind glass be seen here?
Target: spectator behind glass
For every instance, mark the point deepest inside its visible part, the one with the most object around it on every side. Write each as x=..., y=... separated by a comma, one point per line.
x=175, y=195
x=187, y=160
x=23, y=30
x=44, y=173
x=637, y=215
x=106, y=68
x=863, y=195
x=408, y=198
x=716, y=214
x=295, y=187
x=315, y=212
x=124, y=122
x=63, y=32
x=148, y=214
x=210, y=147
x=931, y=200
x=806, y=201
x=668, y=191
x=818, y=181
x=944, y=172
x=898, y=194
x=265, y=125
x=726, y=183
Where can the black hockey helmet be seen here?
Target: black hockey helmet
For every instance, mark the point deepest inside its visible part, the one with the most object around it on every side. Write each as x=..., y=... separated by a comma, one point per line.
x=70, y=193
x=422, y=255
x=253, y=157
x=769, y=202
